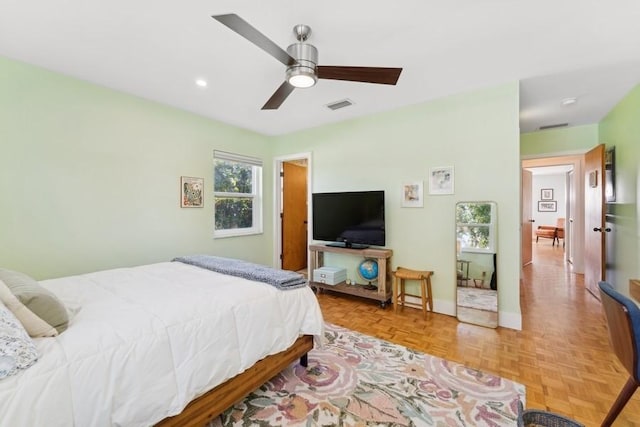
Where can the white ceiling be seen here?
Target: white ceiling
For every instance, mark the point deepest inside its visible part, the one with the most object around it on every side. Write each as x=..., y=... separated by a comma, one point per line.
x=588, y=49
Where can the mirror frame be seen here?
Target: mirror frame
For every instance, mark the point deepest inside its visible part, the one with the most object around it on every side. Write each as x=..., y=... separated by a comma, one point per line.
x=476, y=302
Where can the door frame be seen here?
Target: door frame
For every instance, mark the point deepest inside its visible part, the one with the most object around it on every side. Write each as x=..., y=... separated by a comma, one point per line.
x=577, y=160
x=571, y=241
x=526, y=217
x=277, y=202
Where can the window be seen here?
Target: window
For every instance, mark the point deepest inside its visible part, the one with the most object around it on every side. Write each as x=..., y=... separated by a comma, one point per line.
x=237, y=194
x=476, y=226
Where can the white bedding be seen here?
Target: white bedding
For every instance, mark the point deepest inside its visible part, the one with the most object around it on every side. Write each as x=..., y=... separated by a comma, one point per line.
x=148, y=340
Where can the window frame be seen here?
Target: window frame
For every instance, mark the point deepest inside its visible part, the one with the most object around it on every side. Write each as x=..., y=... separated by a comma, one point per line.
x=256, y=194
x=491, y=226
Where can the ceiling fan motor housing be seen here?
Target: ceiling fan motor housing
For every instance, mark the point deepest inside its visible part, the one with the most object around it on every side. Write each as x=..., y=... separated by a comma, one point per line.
x=301, y=60
x=306, y=56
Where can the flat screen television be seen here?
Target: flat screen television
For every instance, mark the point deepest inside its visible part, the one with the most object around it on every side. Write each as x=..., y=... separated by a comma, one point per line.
x=353, y=219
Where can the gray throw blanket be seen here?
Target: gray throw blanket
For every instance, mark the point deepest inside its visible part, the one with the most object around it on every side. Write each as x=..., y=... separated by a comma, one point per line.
x=281, y=279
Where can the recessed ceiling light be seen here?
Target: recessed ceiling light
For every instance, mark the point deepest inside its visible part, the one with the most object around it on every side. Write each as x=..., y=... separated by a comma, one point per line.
x=201, y=82
x=569, y=101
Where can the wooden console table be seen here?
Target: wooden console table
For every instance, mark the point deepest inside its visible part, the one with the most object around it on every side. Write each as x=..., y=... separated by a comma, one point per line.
x=382, y=256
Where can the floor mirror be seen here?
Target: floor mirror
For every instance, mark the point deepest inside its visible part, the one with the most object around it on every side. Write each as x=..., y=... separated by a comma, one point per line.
x=476, y=262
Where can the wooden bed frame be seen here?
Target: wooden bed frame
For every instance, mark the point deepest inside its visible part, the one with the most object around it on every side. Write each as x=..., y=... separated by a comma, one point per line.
x=211, y=404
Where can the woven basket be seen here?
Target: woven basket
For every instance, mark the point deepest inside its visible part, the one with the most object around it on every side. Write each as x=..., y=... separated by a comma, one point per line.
x=540, y=418
x=534, y=418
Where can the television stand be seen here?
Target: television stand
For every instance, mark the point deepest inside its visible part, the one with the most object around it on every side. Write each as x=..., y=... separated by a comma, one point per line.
x=347, y=245
x=382, y=293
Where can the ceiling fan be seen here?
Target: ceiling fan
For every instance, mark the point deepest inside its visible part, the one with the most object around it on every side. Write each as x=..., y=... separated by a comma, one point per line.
x=301, y=59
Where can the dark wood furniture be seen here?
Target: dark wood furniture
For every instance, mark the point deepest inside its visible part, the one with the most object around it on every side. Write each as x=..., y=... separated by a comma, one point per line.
x=552, y=232
x=560, y=231
x=211, y=404
x=382, y=256
x=623, y=319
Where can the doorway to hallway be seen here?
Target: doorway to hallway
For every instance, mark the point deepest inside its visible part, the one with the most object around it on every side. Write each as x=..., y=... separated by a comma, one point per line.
x=550, y=191
x=554, y=193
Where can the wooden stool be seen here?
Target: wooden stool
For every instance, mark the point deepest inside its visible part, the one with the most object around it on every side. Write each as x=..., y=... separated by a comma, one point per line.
x=398, y=293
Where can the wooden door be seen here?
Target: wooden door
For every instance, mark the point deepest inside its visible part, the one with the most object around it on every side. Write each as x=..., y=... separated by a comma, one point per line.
x=569, y=232
x=526, y=226
x=294, y=216
x=594, y=253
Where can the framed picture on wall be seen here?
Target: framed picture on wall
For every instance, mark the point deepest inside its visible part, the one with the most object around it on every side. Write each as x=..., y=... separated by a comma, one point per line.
x=610, y=174
x=593, y=179
x=547, y=206
x=412, y=195
x=546, y=194
x=441, y=180
x=191, y=192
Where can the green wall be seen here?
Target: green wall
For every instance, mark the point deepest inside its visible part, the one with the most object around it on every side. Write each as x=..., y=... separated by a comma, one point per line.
x=89, y=177
x=559, y=141
x=621, y=129
x=476, y=133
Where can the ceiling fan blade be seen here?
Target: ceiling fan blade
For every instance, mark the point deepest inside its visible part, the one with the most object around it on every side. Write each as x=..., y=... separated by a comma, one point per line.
x=246, y=30
x=279, y=96
x=380, y=75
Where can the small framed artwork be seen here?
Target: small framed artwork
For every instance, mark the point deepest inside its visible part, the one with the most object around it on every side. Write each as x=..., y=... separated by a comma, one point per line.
x=610, y=174
x=593, y=179
x=191, y=192
x=546, y=194
x=441, y=180
x=412, y=195
x=547, y=206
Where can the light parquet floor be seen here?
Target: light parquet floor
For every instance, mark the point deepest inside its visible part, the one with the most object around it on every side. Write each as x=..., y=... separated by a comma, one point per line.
x=562, y=355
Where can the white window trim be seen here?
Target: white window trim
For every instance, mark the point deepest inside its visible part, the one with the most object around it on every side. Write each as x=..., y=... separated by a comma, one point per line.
x=256, y=185
x=492, y=233
x=490, y=249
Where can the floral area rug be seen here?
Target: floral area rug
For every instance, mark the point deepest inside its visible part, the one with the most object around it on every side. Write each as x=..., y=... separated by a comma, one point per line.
x=358, y=380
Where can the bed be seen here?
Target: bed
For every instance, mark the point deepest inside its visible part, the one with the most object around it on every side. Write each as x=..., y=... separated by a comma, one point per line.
x=144, y=342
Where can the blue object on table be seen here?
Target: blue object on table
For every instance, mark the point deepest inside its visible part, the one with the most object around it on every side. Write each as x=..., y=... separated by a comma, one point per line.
x=368, y=269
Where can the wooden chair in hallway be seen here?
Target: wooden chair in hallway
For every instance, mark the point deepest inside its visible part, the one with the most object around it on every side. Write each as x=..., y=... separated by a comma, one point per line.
x=554, y=232
x=623, y=319
x=560, y=231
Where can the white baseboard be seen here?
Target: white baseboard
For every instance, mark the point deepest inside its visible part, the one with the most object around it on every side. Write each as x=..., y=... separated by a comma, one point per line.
x=439, y=306
x=510, y=320
x=505, y=319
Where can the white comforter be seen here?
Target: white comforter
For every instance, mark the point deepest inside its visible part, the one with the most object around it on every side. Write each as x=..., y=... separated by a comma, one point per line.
x=147, y=340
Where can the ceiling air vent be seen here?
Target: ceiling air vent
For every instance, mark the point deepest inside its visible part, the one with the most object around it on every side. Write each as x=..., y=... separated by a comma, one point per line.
x=557, y=125
x=339, y=104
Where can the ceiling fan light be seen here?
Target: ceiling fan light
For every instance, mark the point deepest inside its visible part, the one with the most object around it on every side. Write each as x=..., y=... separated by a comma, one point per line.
x=301, y=77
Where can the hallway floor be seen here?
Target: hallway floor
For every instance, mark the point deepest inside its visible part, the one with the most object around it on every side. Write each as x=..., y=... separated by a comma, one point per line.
x=562, y=355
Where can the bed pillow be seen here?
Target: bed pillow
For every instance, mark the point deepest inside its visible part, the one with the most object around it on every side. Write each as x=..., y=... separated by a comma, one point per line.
x=35, y=326
x=17, y=350
x=37, y=299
